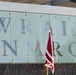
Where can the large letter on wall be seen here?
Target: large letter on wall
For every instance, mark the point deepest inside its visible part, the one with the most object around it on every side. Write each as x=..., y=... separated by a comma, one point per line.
x=64, y=28
x=2, y=20
x=6, y=44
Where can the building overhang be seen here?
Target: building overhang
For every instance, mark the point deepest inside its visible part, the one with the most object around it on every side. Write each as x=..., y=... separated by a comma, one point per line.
x=29, y=1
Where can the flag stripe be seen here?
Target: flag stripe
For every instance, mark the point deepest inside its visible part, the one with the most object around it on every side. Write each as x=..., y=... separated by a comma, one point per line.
x=49, y=63
x=49, y=55
x=48, y=58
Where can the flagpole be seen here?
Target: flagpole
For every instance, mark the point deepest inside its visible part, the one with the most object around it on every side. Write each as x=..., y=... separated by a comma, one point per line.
x=52, y=39
x=47, y=71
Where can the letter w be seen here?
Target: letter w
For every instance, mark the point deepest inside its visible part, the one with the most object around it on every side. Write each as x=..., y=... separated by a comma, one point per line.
x=2, y=20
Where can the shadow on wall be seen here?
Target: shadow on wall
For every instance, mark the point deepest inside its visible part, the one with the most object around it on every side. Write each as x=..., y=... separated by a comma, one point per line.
x=36, y=69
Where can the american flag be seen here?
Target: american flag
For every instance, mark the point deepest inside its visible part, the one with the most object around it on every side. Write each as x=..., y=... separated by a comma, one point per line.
x=49, y=53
